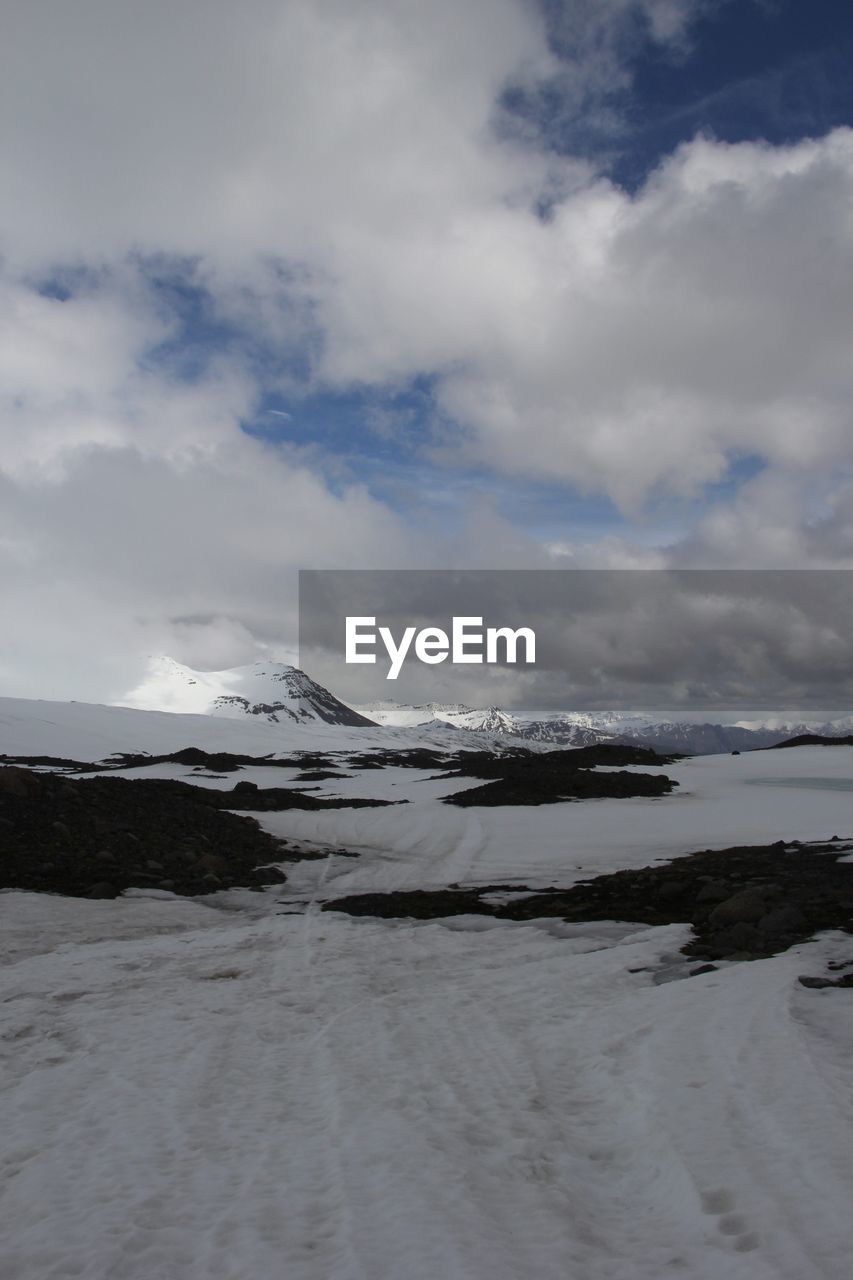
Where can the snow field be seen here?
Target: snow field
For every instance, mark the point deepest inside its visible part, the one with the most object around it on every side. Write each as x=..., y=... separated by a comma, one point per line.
x=247, y=1088
x=720, y=801
x=313, y=1096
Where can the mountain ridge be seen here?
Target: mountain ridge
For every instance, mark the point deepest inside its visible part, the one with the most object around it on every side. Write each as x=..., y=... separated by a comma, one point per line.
x=280, y=693
x=585, y=728
x=275, y=691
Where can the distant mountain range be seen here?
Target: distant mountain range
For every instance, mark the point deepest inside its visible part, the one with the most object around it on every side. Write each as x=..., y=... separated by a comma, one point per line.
x=456, y=714
x=279, y=693
x=582, y=729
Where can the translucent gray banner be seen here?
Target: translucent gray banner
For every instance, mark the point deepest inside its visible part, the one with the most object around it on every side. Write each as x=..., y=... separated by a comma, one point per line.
x=681, y=641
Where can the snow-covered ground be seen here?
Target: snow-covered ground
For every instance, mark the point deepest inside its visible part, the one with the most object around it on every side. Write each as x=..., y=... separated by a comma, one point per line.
x=247, y=1088
x=209, y=1094
x=87, y=731
x=720, y=801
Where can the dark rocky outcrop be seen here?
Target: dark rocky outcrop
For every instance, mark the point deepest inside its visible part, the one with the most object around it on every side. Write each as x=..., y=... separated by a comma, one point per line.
x=275, y=799
x=812, y=740
x=744, y=902
x=194, y=757
x=99, y=836
x=547, y=777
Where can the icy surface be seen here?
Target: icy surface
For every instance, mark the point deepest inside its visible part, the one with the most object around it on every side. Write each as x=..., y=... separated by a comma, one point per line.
x=314, y=1097
x=88, y=731
x=274, y=691
x=247, y=1088
x=720, y=801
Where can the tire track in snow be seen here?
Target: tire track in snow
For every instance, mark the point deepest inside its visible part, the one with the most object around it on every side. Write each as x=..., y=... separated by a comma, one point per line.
x=289, y=1159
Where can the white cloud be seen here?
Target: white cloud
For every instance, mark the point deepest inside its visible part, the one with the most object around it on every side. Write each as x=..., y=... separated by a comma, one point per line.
x=130, y=556
x=204, y=128
x=339, y=178
x=665, y=334
x=624, y=345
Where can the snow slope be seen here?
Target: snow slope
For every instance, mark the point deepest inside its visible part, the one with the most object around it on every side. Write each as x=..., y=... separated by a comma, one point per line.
x=232, y=1096
x=273, y=691
x=89, y=731
x=246, y=1088
x=804, y=793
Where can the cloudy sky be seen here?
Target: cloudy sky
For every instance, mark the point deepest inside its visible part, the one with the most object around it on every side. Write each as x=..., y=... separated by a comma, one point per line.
x=687, y=644
x=382, y=283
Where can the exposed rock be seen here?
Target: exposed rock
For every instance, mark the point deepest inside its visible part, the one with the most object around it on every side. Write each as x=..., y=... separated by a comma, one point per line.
x=714, y=891
x=812, y=740
x=782, y=920
x=213, y=863
x=738, y=937
x=802, y=890
x=15, y=782
x=276, y=799
x=268, y=875
x=55, y=833
x=103, y=889
x=747, y=906
x=547, y=777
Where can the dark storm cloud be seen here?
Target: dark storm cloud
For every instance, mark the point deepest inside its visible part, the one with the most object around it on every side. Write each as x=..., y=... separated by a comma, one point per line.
x=694, y=640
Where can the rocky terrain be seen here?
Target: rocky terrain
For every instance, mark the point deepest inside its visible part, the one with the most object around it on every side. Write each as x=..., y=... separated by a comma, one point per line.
x=814, y=740
x=547, y=777
x=744, y=903
x=99, y=834
x=95, y=837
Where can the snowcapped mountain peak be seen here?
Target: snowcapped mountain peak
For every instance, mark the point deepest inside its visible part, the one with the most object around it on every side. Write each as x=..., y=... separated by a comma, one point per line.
x=274, y=691
x=456, y=714
x=486, y=720
x=170, y=686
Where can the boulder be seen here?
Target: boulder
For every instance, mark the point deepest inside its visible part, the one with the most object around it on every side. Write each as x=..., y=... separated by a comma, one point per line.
x=103, y=889
x=213, y=863
x=745, y=907
x=15, y=782
x=782, y=920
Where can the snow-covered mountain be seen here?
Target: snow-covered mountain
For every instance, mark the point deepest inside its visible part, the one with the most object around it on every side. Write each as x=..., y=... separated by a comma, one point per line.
x=456, y=714
x=565, y=728
x=702, y=739
x=583, y=728
x=708, y=739
x=563, y=731
x=586, y=727
x=279, y=693
x=680, y=735
x=273, y=691
x=838, y=728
